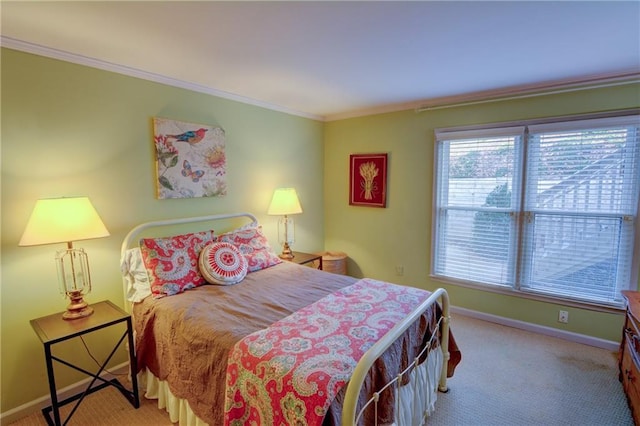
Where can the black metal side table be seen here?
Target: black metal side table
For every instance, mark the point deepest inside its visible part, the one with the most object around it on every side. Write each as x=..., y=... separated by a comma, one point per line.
x=53, y=329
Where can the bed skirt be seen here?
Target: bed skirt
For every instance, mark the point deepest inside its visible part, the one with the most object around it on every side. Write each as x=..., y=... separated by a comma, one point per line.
x=178, y=409
x=415, y=400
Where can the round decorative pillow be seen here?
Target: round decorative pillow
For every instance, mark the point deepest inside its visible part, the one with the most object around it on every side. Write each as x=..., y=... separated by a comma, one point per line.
x=222, y=263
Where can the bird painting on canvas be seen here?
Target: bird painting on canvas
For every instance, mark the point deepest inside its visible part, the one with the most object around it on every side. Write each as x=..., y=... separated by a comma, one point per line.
x=195, y=167
x=192, y=137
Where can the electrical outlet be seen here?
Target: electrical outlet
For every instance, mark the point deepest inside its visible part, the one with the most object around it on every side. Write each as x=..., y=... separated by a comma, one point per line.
x=399, y=270
x=563, y=317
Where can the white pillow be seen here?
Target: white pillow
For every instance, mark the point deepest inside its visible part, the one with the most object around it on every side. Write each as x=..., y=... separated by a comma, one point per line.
x=135, y=275
x=222, y=263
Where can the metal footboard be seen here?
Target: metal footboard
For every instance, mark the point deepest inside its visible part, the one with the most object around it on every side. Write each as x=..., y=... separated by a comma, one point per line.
x=350, y=415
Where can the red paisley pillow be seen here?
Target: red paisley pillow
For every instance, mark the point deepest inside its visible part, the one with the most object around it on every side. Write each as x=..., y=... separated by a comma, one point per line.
x=172, y=262
x=253, y=245
x=222, y=263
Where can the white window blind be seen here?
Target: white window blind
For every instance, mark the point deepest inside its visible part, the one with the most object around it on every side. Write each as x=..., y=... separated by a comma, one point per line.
x=581, y=203
x=546, y=208
x=477, y=172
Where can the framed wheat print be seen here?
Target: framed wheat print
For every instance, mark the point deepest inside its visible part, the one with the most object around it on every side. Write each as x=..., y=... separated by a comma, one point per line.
x=190, y=159
x=368, y=180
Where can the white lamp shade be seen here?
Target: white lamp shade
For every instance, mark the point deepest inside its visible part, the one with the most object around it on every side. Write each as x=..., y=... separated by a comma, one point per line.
x=58, y=220
x=285, y=201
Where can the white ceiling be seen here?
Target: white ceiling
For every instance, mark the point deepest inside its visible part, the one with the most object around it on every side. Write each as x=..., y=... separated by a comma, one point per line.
x=332, y=59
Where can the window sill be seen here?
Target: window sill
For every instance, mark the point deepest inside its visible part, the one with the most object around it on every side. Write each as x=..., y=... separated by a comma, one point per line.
x=507, y=291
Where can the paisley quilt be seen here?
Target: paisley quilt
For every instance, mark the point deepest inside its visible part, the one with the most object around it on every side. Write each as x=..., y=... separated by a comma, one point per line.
x=290, y=372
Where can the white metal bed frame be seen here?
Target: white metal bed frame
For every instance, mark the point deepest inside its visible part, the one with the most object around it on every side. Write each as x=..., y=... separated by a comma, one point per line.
x=350, y=415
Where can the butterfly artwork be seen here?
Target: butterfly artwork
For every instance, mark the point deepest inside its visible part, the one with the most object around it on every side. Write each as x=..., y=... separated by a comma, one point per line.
x=190, y=159
x=187, y=171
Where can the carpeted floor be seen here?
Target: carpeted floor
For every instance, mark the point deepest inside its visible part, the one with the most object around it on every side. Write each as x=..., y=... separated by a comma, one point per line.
x=513, y=377
x=506, y=377
x=106, y=407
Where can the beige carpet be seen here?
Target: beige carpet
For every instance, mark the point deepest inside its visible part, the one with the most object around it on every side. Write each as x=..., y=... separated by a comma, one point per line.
x=106, y=407
x=513, y=377
x=507, y=377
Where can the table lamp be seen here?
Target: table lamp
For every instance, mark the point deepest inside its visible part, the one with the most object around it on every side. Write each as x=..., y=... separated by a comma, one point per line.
x=285, y=202
x=58, y=220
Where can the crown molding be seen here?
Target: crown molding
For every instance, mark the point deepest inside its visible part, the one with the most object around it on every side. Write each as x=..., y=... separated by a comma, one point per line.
x=497, y=95
x=48, y=52
x=533, y=90
x=502, y=94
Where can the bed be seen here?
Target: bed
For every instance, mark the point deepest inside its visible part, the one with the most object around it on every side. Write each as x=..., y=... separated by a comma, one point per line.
x=273, y=342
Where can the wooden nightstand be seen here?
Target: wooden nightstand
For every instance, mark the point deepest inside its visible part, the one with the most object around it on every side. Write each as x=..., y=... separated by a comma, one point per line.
x=53, y=329
x=302, y=258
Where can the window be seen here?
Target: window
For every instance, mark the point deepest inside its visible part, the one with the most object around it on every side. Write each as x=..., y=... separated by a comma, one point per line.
x=545, y=208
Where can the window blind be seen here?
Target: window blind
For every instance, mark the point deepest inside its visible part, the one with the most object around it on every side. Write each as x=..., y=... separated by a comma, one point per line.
x=581, y=200
x=550, y=208
x=478, y=174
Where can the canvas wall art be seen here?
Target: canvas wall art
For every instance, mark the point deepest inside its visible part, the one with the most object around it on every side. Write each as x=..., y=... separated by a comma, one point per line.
x=190, y=159
x=368, y=180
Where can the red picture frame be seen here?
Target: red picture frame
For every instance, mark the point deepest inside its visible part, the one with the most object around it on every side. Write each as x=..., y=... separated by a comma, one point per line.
x=368, y=180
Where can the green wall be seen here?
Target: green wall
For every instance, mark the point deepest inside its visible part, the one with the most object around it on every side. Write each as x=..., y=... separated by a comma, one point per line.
x=73, y=130
x=377, y=240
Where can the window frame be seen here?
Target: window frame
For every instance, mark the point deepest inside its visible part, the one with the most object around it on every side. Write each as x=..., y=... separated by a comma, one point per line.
x=515, y=265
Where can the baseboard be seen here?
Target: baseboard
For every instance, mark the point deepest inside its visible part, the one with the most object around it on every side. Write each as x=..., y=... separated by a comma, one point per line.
x=540, y=329
x=37, y=405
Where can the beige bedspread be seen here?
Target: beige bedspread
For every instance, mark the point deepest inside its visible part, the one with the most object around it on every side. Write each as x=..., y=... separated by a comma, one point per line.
x=185, y=339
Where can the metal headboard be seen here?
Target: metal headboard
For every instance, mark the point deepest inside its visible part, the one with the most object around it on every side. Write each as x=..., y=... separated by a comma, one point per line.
x=132, y=238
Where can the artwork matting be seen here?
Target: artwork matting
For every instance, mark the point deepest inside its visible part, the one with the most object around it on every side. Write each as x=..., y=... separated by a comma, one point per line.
x=368, y=180
x=190, y=159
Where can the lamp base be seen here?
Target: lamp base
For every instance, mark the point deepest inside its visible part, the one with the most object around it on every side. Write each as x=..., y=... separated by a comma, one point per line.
x=78, y=308
x=286, y=254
